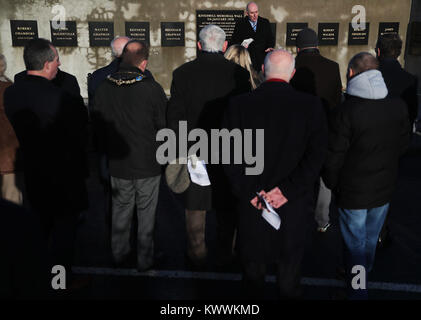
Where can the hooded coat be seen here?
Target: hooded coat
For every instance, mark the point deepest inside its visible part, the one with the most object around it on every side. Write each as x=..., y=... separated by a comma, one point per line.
x=368, y=134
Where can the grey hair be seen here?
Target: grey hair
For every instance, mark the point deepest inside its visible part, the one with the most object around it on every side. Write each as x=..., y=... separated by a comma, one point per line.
x=277, y=69
x=117, y=52
x=212, y=38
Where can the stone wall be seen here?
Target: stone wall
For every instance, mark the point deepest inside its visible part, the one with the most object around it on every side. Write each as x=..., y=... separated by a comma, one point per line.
x=163, y=60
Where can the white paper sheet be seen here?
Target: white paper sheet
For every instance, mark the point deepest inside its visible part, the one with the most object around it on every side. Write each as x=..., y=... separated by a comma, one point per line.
x=247, y=42
x=271, y=216
x=197, y=171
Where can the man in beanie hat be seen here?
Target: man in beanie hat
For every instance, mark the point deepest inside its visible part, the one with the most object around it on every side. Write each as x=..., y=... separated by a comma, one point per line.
x=319, y=76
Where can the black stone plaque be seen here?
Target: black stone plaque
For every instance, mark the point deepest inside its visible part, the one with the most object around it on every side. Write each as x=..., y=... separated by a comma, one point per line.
x=293, y=28
x=328, y=34
x=66, y=36
x=172, y=34
x=415, y=39
x=225, y=19
x=358, y=36
x=23, y=31
x=388, y=27
x=101, y=33
x=138, y=31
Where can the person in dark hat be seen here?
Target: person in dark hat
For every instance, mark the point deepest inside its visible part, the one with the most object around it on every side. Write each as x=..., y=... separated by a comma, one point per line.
x=318, y=76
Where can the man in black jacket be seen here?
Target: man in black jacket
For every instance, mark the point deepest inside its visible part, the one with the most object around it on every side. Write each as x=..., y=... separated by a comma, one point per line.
x=63, y=80
x=257, y=28
x=51, y=129
x=368, y=133
x=318, y=76
x=95, y=79
x=400, y=83
x=130, y=110
x=200, y=91
x=295, y=145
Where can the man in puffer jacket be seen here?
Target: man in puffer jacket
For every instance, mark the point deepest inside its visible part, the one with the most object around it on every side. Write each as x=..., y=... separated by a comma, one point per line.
x=368, y=134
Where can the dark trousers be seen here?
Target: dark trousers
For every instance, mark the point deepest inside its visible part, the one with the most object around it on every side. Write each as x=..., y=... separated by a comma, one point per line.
x=126, y=194
x=226, y=231
x=288, y=274
x=59, y=231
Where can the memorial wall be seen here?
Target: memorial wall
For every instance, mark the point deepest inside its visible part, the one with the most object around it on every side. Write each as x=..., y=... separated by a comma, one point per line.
x=171, y=28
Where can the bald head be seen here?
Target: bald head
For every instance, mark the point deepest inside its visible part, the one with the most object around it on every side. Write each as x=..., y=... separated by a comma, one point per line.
x=279, y=64
x=136, y=53
x=252, y=11
x=117, y=46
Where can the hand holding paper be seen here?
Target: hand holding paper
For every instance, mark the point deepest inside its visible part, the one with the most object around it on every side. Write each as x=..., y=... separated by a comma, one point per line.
x=247, y=42
x=275, y=198
x=261, y=201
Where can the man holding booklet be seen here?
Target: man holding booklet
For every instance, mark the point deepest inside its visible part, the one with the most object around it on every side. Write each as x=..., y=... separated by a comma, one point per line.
x=295, y=147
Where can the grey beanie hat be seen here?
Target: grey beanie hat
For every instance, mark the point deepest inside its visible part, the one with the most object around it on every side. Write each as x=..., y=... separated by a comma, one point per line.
x=307, y=38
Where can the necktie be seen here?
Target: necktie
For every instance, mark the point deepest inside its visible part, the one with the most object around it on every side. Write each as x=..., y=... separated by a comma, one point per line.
x=254, y=27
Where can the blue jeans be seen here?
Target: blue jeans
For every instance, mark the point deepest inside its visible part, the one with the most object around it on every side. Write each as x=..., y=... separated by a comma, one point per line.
x=360, y=231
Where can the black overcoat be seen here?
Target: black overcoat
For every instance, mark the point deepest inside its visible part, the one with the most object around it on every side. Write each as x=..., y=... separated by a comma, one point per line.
x=263, y=39
x=50, y=125
x=400, y=84
x=319, y=76
x=200, y=91
x=366, y=139
x=295, y=144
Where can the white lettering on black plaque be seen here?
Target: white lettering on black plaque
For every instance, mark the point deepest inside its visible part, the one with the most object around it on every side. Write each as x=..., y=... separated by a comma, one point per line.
x=293, y=28
x=138, y=31
x=23, y=31
x=65, y=36
x=358, y=36
x=388, y=27
x=172, y=34
x=225, y=19
x=328, y=34
x=101, y=33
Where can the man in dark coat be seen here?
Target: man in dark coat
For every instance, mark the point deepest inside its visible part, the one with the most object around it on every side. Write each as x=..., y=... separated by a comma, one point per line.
x=295, y=144
x=199, y=94
x=318, y=76
x=63, y=80
x=50, y=126
x=399, y=82
x=95, y=79
x=130, y=110
x=368, y=133
x=257, y=28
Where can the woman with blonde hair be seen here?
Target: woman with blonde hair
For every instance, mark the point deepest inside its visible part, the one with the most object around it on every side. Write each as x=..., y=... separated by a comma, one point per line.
x=240, y=55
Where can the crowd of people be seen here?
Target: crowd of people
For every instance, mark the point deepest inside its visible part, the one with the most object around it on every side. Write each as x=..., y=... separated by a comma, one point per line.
x=320, y=146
